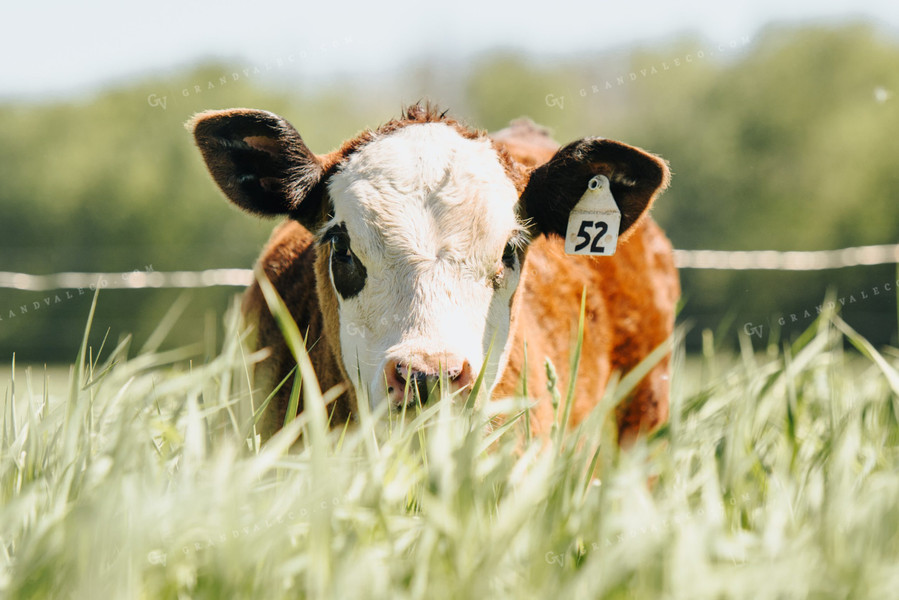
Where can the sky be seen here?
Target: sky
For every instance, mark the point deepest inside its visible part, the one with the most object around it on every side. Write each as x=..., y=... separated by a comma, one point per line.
x=56, y=48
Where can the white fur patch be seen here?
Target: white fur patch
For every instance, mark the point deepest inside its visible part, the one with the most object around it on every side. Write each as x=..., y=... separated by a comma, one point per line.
x=428, y=213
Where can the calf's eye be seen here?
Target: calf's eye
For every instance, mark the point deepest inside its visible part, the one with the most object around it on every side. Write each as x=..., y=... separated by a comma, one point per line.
x=509, y=255
x=340, y=249
x=347, y=272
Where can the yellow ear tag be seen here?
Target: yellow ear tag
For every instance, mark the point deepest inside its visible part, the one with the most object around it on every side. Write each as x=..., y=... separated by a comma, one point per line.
x=594, y=221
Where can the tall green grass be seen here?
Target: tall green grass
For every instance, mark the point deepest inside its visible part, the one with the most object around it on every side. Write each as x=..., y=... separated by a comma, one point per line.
x=776, y=478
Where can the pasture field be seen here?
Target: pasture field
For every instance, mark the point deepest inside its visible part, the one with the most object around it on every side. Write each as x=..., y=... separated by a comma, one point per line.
x=776, y=477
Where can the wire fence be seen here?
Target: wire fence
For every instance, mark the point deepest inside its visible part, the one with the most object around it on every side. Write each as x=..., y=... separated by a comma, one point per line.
x=787, y=261
x=129, y=280
x=684, y=259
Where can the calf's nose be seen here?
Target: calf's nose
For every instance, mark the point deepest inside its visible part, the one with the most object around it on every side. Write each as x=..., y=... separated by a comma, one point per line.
x=422, y=375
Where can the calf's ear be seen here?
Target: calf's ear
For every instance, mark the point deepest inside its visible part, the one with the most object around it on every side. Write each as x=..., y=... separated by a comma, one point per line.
x=553, y=189
x=261, y=163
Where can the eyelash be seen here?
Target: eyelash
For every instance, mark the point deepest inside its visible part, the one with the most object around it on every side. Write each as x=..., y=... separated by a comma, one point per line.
x=515, y=244
x=334, y=237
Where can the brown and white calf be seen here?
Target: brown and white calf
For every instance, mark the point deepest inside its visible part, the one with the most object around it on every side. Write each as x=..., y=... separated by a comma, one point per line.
x=413, y=247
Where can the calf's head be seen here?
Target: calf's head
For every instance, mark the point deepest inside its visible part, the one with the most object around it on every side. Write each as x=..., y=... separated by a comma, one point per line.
x=422, y=229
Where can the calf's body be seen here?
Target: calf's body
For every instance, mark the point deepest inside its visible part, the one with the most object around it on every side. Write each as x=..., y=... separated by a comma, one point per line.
x=630, y=298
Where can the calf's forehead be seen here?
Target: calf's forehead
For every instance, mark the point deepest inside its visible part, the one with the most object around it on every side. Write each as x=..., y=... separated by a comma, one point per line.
x=425, y=189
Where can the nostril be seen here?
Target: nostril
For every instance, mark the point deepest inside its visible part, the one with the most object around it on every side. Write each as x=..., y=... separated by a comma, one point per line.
x=418, y=384
x=415, y=381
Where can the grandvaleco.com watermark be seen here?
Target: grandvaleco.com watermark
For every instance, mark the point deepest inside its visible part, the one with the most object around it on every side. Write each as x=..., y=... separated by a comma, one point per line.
x=558, y=101
x=62, y=296
x=162, y=101
x=806, y=315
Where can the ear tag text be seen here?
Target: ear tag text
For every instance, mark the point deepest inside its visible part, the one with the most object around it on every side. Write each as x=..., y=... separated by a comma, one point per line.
x=594, y=221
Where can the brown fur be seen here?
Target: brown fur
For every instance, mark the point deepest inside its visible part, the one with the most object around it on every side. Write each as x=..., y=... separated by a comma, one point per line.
x=630, y=303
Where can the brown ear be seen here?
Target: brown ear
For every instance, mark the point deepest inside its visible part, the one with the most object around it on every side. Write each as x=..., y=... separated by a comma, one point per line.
x=260, y=162
x=554, y=188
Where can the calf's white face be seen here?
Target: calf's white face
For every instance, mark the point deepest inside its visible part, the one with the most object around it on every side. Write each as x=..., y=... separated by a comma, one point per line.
x=423, y=258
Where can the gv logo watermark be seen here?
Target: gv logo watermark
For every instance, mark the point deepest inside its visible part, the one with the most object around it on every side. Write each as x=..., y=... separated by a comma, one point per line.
x=551, y=101
x=154, y=100
x=751, y=330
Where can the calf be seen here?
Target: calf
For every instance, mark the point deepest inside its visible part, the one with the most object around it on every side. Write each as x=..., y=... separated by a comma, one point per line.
x=413, y=248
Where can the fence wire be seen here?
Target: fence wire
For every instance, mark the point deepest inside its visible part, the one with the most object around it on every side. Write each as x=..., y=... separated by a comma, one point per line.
x=130, y=280
x=684, y=259
x=787, y=261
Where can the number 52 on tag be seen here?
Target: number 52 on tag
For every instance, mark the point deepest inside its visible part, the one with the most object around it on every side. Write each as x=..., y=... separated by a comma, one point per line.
x=594, y=221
